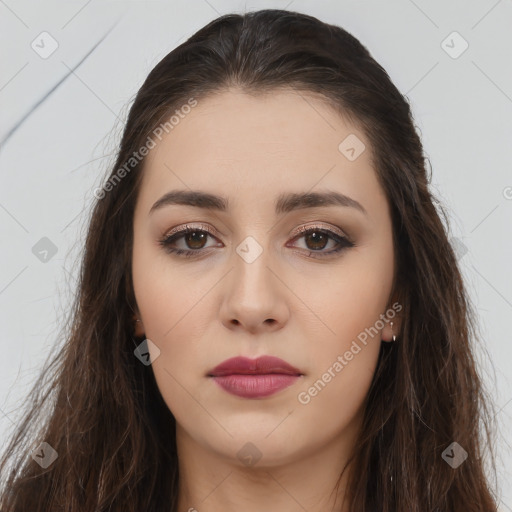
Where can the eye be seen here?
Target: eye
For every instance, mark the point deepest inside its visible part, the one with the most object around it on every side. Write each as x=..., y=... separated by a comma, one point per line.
x=317, y=239
x=194, y=240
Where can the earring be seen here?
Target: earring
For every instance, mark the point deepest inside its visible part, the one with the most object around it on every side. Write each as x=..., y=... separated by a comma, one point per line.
x=394, y=336
x=136, y=327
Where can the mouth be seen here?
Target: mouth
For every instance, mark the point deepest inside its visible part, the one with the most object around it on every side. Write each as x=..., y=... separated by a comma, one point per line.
x=254, y=378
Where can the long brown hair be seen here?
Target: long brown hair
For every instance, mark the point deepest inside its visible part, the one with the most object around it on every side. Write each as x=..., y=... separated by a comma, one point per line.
x=111, y=429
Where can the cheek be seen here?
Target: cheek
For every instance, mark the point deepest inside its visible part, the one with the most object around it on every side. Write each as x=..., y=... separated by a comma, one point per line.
x=174, y=311
x=166, y=294
x=350, y=304
x=170, y=305
x=343, y=363
x=350, y=299
x=335, y=398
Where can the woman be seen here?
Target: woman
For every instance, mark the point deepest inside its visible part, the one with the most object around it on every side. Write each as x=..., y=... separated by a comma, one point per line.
x=269, y=316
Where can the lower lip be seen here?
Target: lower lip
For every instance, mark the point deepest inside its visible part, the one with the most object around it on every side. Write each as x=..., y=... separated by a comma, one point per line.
x=255, y=386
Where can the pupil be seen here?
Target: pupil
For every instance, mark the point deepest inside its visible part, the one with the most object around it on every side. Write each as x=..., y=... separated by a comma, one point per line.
x=201, y=238
x=316, y=237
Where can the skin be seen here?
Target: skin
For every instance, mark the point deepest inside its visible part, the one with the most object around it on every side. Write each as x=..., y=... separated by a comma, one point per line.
x=287, y=303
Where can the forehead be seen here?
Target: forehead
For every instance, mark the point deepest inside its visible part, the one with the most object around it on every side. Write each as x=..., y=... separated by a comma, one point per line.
x=254, y=147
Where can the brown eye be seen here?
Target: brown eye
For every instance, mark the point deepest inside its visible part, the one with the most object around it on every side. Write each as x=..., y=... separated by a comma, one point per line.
x=196, y=239
x=192, y=240
x=316, y=240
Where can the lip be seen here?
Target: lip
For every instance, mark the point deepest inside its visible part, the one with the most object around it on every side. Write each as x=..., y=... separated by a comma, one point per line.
x=254, y=378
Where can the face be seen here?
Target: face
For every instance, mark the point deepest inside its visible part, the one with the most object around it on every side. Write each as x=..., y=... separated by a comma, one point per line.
x=263, y=271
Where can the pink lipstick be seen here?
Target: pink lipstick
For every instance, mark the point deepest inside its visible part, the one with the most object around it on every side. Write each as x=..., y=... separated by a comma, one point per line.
x=254, y=378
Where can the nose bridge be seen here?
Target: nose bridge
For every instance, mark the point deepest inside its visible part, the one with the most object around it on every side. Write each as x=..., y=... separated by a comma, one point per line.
x=252, y=297
x=252, y=261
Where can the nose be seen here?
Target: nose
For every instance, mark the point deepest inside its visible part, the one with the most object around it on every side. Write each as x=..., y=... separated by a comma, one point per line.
x=254, y=296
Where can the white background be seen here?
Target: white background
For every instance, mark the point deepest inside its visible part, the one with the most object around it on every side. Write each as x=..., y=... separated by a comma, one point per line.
x=57, y=144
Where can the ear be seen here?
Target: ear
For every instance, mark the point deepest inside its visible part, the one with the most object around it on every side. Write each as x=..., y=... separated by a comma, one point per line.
x=393, y=322
x=391, y=328
x=138, y=326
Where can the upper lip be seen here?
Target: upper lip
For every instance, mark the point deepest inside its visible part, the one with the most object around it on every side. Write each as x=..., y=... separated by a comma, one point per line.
x=260, y=366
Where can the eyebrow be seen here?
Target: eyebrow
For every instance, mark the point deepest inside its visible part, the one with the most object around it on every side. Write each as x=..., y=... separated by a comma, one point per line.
x=286, y=202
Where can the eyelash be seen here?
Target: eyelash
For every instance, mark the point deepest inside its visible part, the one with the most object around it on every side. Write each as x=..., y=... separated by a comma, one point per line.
x=343, y=241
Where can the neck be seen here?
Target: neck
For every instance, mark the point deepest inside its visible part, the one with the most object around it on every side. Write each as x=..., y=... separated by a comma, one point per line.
x=212, y=482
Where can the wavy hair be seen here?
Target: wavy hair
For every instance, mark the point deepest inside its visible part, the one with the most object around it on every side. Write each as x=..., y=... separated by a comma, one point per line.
x=103, y=413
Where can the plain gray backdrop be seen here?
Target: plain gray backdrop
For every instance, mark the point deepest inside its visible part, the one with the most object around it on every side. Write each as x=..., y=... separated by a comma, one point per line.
x=70, y=69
